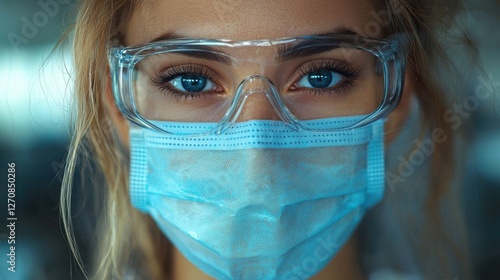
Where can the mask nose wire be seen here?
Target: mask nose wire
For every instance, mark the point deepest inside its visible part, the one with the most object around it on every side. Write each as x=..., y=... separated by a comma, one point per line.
x=248, y=87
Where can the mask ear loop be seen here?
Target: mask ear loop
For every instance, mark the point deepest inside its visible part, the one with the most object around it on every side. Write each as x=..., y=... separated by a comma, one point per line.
x=138, y=171
x=375, y=165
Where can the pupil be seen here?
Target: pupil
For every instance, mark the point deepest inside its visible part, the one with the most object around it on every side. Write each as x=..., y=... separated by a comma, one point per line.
x=193, y=83
x=321, y=78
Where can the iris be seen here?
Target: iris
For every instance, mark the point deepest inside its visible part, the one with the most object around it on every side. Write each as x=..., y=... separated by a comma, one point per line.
x=193, y=83
x=321, y=78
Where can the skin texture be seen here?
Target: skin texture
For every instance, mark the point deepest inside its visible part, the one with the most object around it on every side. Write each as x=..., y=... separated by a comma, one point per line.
x=243, y=20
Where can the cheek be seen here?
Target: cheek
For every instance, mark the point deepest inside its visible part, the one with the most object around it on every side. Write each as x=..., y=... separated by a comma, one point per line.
x=397, y=118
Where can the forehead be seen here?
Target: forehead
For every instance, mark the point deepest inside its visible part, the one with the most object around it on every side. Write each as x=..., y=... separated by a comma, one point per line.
x=244, y=20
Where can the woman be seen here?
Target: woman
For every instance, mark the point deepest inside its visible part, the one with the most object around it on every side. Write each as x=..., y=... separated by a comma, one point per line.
x=258, y=155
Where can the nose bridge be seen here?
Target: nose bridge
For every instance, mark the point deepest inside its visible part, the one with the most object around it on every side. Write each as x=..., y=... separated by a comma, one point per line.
x=258, y=98
x=256, y=95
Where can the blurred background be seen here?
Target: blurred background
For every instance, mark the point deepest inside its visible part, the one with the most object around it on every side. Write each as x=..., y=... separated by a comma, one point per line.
x=35, y=114
x=35, y=101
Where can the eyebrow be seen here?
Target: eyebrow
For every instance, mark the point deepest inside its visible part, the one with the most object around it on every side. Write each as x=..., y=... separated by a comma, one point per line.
x=285, y=52
x=202, y=52
x=303, y=49
x=208, y=53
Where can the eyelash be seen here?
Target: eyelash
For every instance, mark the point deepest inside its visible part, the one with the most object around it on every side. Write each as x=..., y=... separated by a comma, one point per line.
x=350, y=75
x=163, y=78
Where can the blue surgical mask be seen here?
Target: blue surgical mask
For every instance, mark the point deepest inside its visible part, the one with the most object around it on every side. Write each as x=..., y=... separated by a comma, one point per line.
x=260, y=201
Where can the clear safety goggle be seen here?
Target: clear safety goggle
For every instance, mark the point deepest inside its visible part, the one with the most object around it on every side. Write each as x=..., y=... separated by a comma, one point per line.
x=293, y=79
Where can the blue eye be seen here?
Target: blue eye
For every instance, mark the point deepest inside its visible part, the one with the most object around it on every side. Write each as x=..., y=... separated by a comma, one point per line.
x=320, y=79
x=192, y=83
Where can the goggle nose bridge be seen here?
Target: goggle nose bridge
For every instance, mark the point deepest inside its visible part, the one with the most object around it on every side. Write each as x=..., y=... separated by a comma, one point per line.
x=242, y=93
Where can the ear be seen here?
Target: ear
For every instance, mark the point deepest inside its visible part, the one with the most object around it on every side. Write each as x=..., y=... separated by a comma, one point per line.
x=119, y=122
x=397, y=118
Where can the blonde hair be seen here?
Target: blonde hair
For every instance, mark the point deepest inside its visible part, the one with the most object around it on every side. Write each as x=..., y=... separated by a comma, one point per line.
x=120, y=229
x=128, y=239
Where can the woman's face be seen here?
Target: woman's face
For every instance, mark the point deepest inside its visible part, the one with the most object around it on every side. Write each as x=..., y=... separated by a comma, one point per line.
x=250, y=20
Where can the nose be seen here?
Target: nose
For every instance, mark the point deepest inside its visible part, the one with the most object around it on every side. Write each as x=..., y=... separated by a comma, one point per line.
x=257, y=107
x=257, y=100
